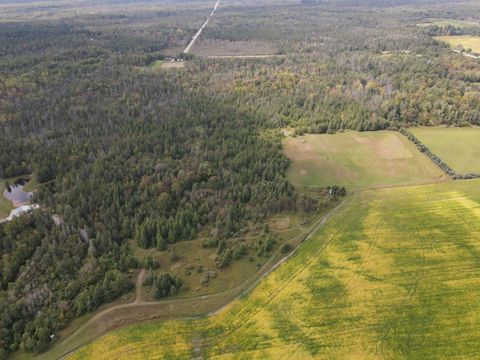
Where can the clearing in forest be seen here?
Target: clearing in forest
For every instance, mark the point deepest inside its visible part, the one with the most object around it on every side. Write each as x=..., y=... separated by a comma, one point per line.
x=394, y=274
x=5, y=204
x=449, y=22
x=459, y=148
x=196, y=299
x=165, y=64
x=466, y=41
x=358, y=160
x=212, y=48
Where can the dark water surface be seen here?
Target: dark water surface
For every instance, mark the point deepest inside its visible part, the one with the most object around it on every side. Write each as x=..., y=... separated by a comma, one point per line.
x=15, y=192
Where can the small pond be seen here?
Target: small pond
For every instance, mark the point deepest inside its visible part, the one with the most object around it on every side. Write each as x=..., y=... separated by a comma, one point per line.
x=15, y=193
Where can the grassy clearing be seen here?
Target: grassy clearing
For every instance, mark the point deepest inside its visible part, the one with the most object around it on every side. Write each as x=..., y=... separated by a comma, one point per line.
x=215, y=47
x=172, y=65
x=192, y=260
x=357, y=160
x=458, y=147
x=33, y=184
x=190, y=303
x=193, y=263
x=395, y=274
x=160, y=65
x=449, y=22
x=466, y=41
x=5, y=205
x=156, y=65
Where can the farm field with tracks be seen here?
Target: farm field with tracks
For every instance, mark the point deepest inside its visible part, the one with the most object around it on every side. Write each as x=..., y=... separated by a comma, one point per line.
x=387, y=277
x=357, y=160
x=237, y=179
x=458, y=147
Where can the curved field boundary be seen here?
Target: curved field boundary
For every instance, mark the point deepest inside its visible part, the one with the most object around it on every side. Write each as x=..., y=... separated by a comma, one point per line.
x=140, y=311
x=388, y=277
x=221, y=329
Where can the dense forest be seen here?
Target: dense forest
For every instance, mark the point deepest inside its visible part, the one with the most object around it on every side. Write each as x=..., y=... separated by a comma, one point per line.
x=126, y=153
x=131, y=157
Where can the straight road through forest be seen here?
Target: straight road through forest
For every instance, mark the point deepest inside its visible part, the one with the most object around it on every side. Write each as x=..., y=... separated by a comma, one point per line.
x=195, y=37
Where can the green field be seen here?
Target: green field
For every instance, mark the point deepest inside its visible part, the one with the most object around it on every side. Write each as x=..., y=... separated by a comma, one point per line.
x=194, y=300
x=357, y=160
x=466, y=41
x=394, y=274
x=458, y=147
x=449, y=22
x=5, y=204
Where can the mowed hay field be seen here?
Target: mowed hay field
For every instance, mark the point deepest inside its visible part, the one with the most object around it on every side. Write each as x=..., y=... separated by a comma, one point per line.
x=466, y=41
x=394, y=274
x=458, y=147
x=358, y=160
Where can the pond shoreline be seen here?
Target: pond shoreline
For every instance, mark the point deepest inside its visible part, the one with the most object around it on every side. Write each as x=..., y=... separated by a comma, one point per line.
x=19, y=199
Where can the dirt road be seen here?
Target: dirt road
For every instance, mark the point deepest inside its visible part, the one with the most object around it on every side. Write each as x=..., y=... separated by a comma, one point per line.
x=138, y=286
x=139, y=310
x=195, y=37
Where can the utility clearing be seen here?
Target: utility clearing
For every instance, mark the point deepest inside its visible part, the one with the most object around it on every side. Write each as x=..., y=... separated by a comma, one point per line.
x=394, y=274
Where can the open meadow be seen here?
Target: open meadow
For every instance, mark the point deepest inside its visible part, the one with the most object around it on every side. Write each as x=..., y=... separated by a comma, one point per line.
x=458, y=23
x=357, y=160
x=458, y=147
x=393, y=275
x=465, y=41
x=196, y=299
x=5, y=204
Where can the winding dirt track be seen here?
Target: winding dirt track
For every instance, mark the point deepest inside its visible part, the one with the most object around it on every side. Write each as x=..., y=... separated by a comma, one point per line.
x=138, y=286
x=116, y=316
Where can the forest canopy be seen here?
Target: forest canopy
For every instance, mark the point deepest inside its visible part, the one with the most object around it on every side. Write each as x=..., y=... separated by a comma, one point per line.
x=127, y=153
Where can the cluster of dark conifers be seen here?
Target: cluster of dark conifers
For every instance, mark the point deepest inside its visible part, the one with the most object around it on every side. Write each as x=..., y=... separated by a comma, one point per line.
x=440, y=163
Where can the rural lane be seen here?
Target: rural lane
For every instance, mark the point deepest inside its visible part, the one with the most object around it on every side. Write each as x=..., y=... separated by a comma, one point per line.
x=195, y=37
